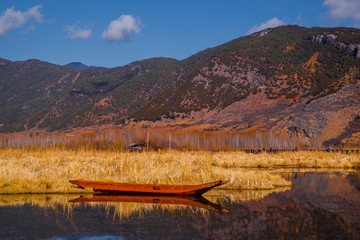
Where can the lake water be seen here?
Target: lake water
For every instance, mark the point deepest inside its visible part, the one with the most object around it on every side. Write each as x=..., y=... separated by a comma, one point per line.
x=319, y=206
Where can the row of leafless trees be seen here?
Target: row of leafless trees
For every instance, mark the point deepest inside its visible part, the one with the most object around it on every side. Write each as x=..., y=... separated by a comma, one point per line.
x=150, y=139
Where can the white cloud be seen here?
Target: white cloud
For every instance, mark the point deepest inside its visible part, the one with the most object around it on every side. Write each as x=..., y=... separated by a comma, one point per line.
x=342, y=9
x=73, y=31
x=298, y=20
x=274, y=22
x=12, y=19
x=122, y=28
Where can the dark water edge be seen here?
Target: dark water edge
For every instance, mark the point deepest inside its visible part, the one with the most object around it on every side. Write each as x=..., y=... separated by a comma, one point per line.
x=319, y=206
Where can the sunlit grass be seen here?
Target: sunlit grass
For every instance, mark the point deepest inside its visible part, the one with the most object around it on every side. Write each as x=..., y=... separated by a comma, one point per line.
x=300, y=159
x=48, y=171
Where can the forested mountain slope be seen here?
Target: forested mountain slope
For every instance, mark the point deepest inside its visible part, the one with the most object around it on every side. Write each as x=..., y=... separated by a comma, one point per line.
x=288, y=80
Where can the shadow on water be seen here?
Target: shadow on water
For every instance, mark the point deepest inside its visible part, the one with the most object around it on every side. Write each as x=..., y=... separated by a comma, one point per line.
x=320, y=205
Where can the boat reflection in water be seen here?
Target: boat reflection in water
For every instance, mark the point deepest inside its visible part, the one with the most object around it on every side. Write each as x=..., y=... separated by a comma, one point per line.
x=320, y=205
x=193, y=201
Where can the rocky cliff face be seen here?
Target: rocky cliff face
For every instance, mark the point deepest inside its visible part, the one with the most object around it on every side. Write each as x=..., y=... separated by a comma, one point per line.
x=353, y=49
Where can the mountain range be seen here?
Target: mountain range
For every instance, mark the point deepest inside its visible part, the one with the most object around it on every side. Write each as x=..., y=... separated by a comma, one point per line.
x=78, y=66
x=288, y=80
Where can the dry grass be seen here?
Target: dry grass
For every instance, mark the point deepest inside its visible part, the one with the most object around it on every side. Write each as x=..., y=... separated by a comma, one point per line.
x=297, y=159
x=48, y=171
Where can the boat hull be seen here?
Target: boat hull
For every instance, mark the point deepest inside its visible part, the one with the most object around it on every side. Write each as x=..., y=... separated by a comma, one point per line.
x=151, y=189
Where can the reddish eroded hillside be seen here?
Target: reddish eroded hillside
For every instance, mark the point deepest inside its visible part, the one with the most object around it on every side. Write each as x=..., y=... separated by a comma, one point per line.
x=316, y=122
x=311, y=91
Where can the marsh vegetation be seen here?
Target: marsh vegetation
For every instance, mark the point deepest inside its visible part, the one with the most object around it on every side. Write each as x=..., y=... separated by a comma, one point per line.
x=48, y=170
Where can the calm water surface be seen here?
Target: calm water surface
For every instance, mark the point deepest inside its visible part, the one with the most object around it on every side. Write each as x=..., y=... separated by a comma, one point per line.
x=318, y=206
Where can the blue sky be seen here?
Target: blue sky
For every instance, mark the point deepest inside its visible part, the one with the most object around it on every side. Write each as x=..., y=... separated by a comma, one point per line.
x=114, y=33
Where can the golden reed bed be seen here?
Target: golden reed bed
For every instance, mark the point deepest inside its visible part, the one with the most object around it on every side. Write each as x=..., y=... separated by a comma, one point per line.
x=48, y=171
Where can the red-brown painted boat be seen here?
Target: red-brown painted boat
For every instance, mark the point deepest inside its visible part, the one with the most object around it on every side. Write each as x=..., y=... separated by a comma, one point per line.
x=151, y=189
x=193, y=201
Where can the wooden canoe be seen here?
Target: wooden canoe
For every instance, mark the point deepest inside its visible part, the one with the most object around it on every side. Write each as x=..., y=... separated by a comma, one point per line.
x=193, y=201
x=151, y=189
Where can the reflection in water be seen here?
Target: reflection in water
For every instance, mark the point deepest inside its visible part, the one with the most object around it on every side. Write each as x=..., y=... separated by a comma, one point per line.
x=193, y=201
x=235, y=196
x=39, y=200
x=318, y=206
x=354, y=180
